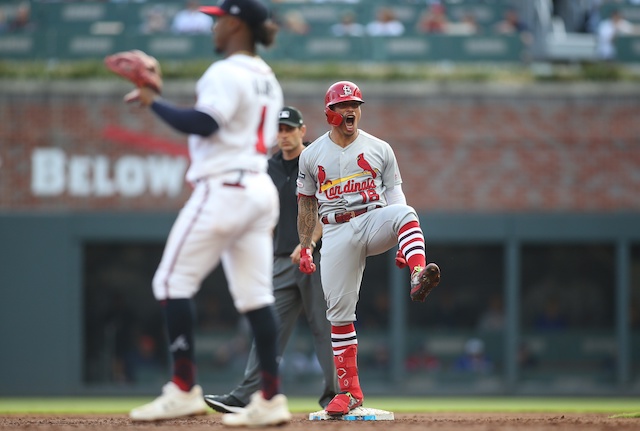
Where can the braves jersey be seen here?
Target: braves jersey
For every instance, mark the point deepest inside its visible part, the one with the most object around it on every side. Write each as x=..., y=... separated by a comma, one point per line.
x=242, y=94
x=350, y=178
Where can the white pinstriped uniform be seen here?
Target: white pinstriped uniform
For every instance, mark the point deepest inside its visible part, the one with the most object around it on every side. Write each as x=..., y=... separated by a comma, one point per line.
x=234, y=206
x=345, y=179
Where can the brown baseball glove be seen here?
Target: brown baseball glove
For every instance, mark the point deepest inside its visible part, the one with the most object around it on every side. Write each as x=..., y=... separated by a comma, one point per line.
x=137, y=67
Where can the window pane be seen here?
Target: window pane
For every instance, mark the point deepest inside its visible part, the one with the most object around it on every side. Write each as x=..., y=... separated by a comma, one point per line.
x=567, y=316
x=456, y=335
x=124, y=327
x=124, y=336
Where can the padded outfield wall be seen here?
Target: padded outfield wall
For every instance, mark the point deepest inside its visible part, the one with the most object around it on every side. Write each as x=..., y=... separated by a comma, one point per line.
x=527, y=194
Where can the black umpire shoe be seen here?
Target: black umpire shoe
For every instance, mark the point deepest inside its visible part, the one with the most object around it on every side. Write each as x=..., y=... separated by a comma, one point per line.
x=224, y=403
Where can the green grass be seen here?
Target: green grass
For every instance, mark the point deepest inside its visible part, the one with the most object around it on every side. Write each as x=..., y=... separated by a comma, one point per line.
x=621, y=407
x=626, y=415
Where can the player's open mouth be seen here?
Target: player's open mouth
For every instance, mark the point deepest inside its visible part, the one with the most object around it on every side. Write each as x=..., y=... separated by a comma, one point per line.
x=349, y=120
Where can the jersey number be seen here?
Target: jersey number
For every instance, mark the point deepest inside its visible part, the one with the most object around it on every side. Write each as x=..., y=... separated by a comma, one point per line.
x=369, y=195
x=261, y=148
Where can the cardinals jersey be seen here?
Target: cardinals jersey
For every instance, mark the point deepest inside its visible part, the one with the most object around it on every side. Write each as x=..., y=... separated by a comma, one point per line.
x=242, y=94
x=350, y=178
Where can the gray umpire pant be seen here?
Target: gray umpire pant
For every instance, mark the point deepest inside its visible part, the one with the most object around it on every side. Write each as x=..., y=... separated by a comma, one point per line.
x=294, y=292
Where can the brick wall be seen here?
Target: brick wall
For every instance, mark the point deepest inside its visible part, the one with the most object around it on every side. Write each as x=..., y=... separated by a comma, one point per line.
x=461, y=148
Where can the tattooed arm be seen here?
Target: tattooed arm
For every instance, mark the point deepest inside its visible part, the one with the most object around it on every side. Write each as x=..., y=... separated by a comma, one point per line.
x=307, y=219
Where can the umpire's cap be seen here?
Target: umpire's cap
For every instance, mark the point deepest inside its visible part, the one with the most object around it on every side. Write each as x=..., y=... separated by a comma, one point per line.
x=290, y=116
x=253, y=12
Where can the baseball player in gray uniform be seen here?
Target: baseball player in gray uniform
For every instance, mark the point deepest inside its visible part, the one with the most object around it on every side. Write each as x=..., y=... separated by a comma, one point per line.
x=230, y=215
x=350, y=179
x=294, y=291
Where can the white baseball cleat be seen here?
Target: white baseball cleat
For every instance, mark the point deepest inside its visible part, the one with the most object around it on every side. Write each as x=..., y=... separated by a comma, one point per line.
x=260, y=412
x=173, y=403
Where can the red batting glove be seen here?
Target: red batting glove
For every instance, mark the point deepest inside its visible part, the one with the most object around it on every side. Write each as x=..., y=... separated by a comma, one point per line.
x=401, y=262
x=306, y=261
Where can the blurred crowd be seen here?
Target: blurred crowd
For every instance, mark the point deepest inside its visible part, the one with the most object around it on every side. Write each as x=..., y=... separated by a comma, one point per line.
x=16, y=18
x=445, y=17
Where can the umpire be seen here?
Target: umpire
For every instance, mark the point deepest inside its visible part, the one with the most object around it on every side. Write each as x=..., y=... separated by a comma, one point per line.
x=294, y=291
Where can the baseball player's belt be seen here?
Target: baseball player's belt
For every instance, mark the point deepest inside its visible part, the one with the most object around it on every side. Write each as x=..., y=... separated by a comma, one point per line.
x=344, y=217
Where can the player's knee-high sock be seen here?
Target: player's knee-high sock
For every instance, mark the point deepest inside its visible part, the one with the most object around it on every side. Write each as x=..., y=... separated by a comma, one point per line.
x=411, y=243
x=180, y=319
x=345, y=357
x=265, y=333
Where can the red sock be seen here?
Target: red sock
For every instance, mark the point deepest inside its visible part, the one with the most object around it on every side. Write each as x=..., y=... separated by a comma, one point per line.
x=270, y=385
x=183, y=374
x=411, y=243
x=345, y=358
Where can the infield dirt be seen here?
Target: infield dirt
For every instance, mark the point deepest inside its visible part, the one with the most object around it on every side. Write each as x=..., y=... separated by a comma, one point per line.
x=402, y=422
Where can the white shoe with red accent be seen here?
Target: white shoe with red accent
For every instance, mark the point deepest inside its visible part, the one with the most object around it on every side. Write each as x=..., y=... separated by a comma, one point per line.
x=173, y=403
x=260, y=412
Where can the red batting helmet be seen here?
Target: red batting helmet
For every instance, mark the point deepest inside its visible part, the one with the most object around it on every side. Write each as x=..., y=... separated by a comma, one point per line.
x=341, y=91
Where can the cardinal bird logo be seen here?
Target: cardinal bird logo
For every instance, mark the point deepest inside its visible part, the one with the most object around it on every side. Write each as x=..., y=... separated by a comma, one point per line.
x=322, y=176
x=365, y=165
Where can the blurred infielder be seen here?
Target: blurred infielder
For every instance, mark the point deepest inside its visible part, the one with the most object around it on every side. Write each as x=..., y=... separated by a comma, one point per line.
x=351, y=180
x=230, y=215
